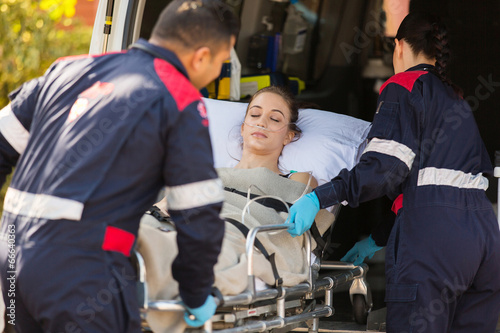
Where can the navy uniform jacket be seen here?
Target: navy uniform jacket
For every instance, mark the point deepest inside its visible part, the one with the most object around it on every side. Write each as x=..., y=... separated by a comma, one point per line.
x=95, y=139
x=424, y=143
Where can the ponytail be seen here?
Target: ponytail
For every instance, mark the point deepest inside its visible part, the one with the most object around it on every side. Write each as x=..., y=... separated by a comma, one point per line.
x=442, y=55
x=426, y=34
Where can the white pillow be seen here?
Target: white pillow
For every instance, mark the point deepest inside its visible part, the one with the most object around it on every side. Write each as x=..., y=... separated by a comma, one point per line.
x=329, y=141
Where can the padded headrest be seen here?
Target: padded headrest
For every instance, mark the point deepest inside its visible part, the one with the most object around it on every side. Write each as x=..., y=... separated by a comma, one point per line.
x=329, y=141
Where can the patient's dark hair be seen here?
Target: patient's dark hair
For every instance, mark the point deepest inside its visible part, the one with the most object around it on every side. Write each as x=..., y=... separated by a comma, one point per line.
x=290, y=101
x=428, y=35
x=197, y=23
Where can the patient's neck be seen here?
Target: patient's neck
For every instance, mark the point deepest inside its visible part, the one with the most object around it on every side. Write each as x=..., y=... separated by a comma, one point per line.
x=250, y=161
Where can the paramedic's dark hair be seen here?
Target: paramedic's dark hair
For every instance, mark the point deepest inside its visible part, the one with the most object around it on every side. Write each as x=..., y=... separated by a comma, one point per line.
x=197, y=23
x=428, y=35
x=290, y=101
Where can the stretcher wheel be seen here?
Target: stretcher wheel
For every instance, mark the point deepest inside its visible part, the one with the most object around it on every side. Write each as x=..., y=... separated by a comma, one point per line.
x=360, y=309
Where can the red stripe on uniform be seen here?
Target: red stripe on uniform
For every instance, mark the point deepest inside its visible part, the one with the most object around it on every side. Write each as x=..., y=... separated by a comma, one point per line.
x=404, y=79
x=177, y=84
x=118, y=240
x=397, y=204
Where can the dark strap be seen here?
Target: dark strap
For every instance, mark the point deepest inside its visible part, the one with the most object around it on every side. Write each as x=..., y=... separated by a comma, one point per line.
x=320, y=242
x=217, y=294
x=323, y=248
x=322, y=245
x=329, y=247
x=276, y=204
x=167, y=222
x=156, y=213
x=278, y=281
x=271, y=258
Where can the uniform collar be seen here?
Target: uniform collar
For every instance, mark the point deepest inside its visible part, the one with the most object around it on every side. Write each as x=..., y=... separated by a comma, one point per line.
x=163, y=53
x=421, y=67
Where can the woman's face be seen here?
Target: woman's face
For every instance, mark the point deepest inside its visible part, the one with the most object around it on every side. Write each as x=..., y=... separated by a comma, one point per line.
x=265, y=128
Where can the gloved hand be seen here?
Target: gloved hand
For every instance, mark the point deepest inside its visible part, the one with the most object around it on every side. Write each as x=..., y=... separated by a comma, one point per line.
x=201, y=314
x=361, y=250
x=302, y=214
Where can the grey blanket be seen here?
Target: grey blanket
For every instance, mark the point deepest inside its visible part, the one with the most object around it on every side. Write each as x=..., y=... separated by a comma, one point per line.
x=159, y=248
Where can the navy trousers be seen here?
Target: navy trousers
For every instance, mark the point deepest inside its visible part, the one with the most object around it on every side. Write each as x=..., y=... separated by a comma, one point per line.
x=64, y=289
x=443, y=268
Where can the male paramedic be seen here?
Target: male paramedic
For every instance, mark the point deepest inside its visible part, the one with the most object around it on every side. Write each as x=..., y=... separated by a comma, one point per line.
x=93, y=141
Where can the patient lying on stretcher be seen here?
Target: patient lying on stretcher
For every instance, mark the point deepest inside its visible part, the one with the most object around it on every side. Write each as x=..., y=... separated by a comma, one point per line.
x=268, y=126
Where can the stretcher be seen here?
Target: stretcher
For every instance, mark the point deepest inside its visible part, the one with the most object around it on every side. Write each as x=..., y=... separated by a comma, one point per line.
x=285, y=307
x=337, y=141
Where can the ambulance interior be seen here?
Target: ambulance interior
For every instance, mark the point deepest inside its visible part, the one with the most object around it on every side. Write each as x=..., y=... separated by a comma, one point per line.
x=334, y=54
x=323, y=45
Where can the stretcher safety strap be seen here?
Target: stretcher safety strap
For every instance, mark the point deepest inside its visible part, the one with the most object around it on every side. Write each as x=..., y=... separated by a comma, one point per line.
x=323, y=248
x=12, y=130
x=42, y=206
x=449, y=177
x=275, y=204
x=278, y=281
x=195, y=194
x=391, y=148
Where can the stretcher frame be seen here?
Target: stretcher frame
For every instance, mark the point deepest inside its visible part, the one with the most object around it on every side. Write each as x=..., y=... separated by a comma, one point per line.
x=281, y=309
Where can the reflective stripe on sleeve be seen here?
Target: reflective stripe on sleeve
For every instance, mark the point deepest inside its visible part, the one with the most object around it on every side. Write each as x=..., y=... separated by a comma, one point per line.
x=391, y=148
x=195, y=195
x=12, y=130
x=41, y=206
x=448, y=177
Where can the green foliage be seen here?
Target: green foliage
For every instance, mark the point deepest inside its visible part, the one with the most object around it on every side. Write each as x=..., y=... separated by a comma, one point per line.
x=32, y=35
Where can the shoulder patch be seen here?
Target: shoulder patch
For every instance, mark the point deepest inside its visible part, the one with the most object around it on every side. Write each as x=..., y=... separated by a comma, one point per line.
x=177, y=84
x=404, y=79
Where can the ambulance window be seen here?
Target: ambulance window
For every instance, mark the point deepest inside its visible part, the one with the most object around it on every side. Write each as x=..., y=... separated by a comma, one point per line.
x=153, y=8
x=152, y=11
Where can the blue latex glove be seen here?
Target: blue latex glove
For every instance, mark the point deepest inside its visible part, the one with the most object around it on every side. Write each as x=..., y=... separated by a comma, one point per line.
x=361, y=250
x=302, y=214
x=201, y=314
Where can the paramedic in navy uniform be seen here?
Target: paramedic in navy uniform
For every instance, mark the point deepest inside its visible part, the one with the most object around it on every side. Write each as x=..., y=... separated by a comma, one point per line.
x=443, y=254
x=93, y=141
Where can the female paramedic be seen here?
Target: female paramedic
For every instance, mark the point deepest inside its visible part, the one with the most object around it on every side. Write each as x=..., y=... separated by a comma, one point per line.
x=425, y=151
